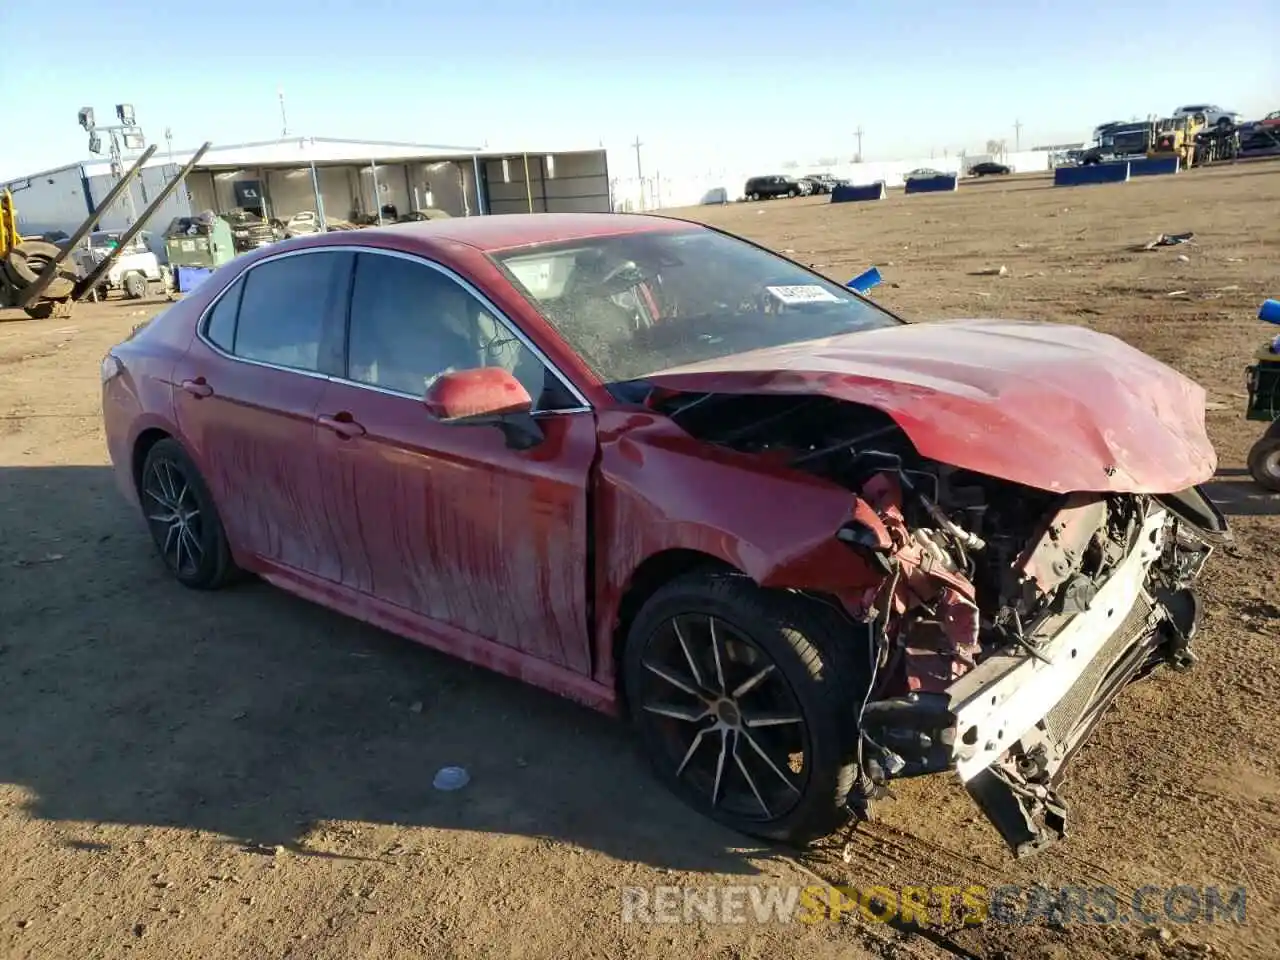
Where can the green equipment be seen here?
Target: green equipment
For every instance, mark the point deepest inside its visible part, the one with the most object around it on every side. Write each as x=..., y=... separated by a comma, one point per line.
x=203, y=241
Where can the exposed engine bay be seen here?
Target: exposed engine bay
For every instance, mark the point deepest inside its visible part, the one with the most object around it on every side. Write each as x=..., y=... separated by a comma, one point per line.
x=1006, y=617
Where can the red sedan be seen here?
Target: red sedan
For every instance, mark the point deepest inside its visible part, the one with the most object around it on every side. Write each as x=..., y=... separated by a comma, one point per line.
x=809, y=548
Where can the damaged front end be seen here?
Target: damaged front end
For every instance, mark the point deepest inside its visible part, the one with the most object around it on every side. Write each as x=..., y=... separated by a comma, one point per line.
x=1007, y=618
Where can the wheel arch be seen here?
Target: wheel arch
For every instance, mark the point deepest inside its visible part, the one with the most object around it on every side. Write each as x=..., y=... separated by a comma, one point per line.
x=142, y=445
x=653, y=573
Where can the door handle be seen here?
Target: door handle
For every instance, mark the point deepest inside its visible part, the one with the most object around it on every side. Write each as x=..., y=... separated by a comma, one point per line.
x=197, y=387
x=342, y=425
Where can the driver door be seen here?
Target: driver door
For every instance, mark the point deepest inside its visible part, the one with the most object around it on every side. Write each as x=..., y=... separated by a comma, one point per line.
x=447, y=521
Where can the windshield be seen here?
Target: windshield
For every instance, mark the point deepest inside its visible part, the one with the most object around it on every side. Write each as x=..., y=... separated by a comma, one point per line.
x=637, y=304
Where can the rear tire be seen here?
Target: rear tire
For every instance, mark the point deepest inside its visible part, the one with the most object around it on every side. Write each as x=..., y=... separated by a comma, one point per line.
x=757, y=684
x=183, y=520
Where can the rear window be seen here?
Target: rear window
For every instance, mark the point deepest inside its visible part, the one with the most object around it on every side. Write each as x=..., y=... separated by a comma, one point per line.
x=279, y=311
x=220, y=328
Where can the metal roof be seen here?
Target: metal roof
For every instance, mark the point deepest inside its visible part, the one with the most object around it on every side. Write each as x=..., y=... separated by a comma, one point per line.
x=293, y=152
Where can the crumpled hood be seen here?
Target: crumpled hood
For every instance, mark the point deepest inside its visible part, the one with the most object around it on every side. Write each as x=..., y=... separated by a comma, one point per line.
x=1047, y=405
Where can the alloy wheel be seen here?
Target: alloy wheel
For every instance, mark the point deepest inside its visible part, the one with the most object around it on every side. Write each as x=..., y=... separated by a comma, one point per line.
x=730, y=724
x=174, y=516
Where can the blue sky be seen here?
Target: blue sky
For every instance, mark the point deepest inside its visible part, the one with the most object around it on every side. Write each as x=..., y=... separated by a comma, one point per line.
x=697, y=81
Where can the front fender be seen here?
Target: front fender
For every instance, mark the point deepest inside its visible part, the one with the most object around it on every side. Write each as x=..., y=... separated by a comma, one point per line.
x=658, y=489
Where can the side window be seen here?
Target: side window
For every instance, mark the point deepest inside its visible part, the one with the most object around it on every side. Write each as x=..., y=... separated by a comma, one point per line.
x=287, y=306
x=220, y=328
x=411, y=323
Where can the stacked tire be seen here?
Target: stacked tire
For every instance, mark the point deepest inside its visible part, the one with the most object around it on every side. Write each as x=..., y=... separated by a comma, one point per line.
x=24, y=265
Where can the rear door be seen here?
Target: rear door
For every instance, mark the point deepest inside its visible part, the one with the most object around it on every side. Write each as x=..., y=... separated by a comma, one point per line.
x=447, y=521
x=247, y=393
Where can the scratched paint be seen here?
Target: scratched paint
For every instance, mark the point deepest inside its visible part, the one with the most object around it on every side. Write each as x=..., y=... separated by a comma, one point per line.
x=449, y=523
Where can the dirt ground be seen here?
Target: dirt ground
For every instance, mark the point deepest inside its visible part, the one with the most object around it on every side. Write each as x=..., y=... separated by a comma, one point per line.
x=244, y=775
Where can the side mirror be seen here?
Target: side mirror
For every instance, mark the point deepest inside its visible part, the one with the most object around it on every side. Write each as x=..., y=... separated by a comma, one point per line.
x=485, y=396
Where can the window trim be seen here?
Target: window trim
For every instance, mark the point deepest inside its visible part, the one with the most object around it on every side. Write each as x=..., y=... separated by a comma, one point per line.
x=513, y=328
x=202, y=323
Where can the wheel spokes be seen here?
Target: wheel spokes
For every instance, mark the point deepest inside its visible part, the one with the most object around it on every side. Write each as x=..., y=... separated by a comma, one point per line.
x=719, y=781
x=672, y=679
x=178, y=515
x=194, y=548
x=715, y=655
x=729, y=779
x=677, y=712
x=751, y=741
x=742, y=767
x=693, y=748
x=688, y=654
x=751, y=682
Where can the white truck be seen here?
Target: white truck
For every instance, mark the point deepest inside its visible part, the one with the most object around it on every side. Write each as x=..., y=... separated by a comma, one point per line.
x=133, y=272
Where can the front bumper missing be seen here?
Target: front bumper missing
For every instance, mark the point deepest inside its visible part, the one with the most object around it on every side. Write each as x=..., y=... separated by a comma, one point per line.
x=1019, y=719
x=1009, y=726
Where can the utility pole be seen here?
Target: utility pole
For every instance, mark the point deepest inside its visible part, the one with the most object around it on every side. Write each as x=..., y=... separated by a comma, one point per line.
x=284, y=122
x=858, y=133
x=1017, y=135
x=639, y=171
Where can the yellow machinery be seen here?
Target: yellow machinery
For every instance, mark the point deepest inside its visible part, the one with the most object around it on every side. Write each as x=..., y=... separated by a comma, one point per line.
x=8, y=224
x=1176, y=137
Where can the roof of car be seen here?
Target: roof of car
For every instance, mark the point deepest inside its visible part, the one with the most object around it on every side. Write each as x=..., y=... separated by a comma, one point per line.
x=504, y=231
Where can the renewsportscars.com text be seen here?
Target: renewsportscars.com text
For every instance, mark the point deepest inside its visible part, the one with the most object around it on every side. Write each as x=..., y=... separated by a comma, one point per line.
x=934, y=905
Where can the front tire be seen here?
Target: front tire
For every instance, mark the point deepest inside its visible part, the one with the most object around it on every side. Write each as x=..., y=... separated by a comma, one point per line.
x=745, y=703
x=183, y=520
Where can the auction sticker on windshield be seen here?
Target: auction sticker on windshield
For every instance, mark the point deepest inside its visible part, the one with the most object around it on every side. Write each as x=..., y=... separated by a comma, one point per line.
x=809, y=293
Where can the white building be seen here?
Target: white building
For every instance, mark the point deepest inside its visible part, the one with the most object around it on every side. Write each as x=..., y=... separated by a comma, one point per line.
x=343, y=179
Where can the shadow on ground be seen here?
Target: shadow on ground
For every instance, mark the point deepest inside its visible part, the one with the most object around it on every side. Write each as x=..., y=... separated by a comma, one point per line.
x=1238, y=495
x=126, y=698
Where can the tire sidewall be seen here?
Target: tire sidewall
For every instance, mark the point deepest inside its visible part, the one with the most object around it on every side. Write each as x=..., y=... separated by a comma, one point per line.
x=831, y=737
